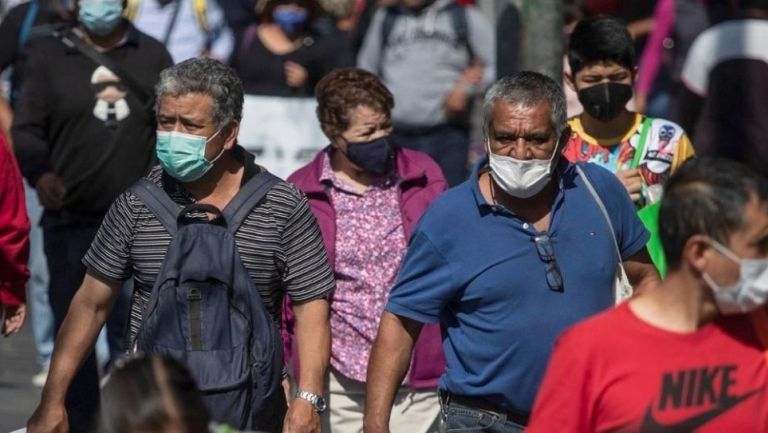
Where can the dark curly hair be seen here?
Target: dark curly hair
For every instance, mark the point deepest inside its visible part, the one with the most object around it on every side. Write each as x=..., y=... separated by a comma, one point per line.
x=343, y=90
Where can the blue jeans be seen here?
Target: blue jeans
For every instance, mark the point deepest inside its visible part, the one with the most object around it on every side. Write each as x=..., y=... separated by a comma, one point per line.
x=37, y=287
x=465, y=419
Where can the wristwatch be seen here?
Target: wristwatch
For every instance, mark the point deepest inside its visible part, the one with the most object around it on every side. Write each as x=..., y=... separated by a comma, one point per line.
x=318, y=402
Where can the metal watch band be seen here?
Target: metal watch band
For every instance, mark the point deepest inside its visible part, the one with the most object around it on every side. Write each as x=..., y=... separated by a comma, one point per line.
x=317, y=401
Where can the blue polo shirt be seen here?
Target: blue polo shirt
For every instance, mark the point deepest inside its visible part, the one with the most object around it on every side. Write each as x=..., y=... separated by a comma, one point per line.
x=473, y=267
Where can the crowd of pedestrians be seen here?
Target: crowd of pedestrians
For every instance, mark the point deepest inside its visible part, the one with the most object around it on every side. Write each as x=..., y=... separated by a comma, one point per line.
x=606, y=271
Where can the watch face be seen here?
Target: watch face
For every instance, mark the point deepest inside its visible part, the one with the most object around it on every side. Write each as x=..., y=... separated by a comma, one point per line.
x=320, y=404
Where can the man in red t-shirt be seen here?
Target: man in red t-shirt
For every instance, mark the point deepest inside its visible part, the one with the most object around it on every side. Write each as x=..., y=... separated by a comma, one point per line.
x=14, y=243
x=681, y=356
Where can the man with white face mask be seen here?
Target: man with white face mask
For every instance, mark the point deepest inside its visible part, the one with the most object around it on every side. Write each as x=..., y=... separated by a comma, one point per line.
x=681, y=356
x=505, y=262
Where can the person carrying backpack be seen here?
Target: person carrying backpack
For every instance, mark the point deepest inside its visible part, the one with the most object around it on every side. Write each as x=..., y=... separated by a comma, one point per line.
x=435, y=56
x=214, y=243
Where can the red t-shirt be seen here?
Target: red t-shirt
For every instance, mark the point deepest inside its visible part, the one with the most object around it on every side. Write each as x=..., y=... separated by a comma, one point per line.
x=616, y=373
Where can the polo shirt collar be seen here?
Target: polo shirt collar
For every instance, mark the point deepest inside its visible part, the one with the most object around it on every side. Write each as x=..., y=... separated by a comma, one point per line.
x=482, y=164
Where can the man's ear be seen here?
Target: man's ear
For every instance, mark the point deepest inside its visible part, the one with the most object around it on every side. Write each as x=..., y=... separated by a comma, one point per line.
x=230, y=132
x=695, y=252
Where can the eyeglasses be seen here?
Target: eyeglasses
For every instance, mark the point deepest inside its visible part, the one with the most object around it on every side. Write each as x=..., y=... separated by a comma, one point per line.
x=547, y=255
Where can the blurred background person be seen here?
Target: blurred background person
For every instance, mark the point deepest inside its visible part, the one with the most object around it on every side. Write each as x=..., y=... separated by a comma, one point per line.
x=279, y=56
x=367, y=194
x=23, y=24
x=724, y=104
x=80, y=153
x=187, y=28
x=435, y=56
x=677, y=23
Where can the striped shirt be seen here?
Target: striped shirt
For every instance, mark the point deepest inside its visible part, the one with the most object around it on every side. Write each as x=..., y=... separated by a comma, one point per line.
x=279, y=243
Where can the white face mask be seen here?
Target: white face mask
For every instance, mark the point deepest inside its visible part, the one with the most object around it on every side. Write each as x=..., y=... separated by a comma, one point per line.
x=747, y=294
x=520, y=178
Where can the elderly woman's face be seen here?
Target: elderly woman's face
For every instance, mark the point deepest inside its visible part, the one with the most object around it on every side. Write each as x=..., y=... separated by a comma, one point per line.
x=365, y=124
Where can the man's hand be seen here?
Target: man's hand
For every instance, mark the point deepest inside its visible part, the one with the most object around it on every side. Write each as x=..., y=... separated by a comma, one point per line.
x=48, y=420
x=633, y=182
x=295, y=74
x=458, y=98
x=50, y=190
x=14, y=316
x=456, y=102
x=301, y=418
x=473, y=76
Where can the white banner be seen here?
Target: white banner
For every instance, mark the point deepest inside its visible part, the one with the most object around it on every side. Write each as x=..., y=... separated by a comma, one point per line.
x=283, y=133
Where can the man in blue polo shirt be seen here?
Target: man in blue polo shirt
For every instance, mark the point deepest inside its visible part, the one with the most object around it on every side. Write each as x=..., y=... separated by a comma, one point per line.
x=505, y=262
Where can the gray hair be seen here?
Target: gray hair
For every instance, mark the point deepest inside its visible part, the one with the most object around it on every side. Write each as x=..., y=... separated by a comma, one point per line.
x=527, y=89
x=209, y=77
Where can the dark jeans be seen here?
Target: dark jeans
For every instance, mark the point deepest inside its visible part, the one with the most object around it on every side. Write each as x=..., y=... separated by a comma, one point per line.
x=466, y=419
x=448, y=145
x=66, y=239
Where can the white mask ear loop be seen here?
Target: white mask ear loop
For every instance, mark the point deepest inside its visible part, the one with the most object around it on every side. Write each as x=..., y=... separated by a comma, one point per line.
x=222, y=149
x=722, y=249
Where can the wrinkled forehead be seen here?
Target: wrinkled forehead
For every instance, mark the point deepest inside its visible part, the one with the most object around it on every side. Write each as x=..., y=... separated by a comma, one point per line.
x=197, y=105
x=514, y=116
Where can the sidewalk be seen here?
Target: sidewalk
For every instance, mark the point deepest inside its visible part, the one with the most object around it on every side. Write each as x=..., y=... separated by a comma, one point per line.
x=18, y=397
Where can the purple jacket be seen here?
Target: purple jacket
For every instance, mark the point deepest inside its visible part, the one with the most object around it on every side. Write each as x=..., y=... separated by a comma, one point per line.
x=422, y=182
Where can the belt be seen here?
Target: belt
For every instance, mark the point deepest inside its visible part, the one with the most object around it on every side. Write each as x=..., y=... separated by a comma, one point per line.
x=486, y=406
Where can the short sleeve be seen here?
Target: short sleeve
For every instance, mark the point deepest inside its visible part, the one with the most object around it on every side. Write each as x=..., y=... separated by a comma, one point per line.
x=425, y=283
x=110, y=252
x=695, y=73
x=307, y=274
x=683, y=152
x=564, y=403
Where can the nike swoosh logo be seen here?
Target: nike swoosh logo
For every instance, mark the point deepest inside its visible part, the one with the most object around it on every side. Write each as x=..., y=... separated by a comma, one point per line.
x=650, y=425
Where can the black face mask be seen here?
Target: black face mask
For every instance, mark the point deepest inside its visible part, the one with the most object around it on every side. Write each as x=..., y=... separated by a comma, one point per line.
x=375, y=156
x=605, y=101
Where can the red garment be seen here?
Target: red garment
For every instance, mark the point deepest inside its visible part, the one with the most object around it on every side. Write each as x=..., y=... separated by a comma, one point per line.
x=14, y=230
x=616, y=373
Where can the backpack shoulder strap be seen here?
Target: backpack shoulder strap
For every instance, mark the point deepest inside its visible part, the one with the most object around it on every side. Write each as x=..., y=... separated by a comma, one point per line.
x=249, y=195
x=601, y=205
x=29, y=19
x=390, y=15
x=72, y=39
x=461, y=26
x=158, y=202
x=249, y=34
x=132, y=10
x=201, y=10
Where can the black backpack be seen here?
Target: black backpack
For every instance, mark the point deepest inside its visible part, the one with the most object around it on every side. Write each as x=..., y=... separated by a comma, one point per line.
x=206, y=312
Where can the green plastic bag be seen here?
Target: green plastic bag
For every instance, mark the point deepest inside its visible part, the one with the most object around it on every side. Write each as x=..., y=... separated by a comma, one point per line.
x=649, y=215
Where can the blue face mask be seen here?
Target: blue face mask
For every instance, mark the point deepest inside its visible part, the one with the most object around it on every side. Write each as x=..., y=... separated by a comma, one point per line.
x=290, y=20
x=183, y=155
x=100, y=17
